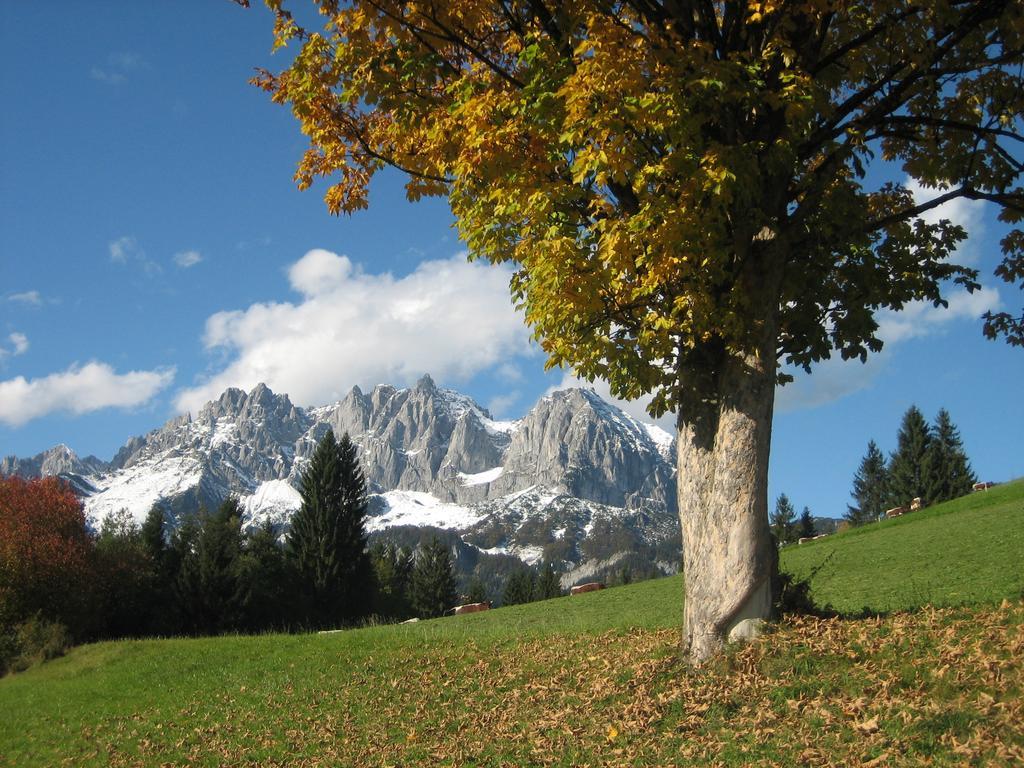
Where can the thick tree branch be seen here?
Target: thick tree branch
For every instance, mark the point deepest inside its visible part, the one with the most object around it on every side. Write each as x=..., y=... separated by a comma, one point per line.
x=1011, y=200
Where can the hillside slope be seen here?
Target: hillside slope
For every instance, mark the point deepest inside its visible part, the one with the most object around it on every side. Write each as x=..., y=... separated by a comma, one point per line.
x=586, y=679
x=969, y=550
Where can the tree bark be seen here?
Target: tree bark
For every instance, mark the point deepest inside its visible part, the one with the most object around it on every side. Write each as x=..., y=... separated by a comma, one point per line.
x=724, y=438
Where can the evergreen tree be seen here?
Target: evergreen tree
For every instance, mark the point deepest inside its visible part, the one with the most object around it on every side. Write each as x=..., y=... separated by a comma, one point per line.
x=783, y=520
x=154, y=538
x=624, y=576
x=521, y=587
x=218, y=549
x=806, y=528
x=392, y=568
x=433, y=583
x=404, y=564
x=183, y=567
x=870, y=488
x=909, y=471
x=162, y=618
x=477, y=592
x=266, y=582
x=948, y=471
x=125, y=577
x=327, y=541
x=548, y=584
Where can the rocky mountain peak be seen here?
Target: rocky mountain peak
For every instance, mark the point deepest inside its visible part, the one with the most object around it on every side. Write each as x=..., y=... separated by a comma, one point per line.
x=59, y=460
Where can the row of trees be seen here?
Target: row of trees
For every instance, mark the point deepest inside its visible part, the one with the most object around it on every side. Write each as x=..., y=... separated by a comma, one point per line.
x=929, y=463
x=208, y=575
x=205, y=576
x=786, y=527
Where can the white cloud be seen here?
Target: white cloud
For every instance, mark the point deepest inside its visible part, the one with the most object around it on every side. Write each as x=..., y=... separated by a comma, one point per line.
x=117, y=68
x=969, y=214
x=126, y=250
x=319, y=273
x=835, y=378
x=187, y=259
x=123, y=248
x=31, y=298
x=921, y=318
x=829, y=380
x=501, y=405
x=78, y=390
x=20, y=342
x=449, y=318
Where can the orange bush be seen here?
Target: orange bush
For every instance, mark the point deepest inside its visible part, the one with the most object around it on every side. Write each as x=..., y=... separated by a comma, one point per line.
x=46, y=553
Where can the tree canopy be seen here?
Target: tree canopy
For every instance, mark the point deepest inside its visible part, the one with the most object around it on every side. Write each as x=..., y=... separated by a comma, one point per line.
x=635, y=158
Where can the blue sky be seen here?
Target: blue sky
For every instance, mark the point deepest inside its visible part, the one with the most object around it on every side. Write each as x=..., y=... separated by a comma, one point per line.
x=153, y=250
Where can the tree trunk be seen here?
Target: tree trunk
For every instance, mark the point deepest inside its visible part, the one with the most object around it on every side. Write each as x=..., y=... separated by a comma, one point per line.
x=724, y=423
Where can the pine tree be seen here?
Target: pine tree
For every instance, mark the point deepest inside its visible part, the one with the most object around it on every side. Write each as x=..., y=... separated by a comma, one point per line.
x=782, y=520
x=548, y=584
x=155, y=543
x=125, y=577
x=870, y=488
x=392, y=568
x=433, y=583
x=327, y=541
x=265, y=581
x=909, y=471
x=183, y=566
x=521, y=587
x=477, y=592
x=806, y=528
x=218, y=549
x=153, y=537
x=949, y=472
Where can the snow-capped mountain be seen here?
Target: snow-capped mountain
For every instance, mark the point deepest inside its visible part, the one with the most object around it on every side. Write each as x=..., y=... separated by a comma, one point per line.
x=576, y=480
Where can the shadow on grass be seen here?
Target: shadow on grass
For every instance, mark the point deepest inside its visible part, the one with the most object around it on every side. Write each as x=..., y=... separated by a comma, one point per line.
x=793, y=596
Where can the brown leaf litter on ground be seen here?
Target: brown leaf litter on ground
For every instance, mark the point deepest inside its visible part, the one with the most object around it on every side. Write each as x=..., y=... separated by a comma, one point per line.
x=934, y=687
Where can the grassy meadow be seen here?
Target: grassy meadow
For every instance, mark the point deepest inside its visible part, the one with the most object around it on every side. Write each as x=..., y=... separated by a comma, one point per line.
x=934, y=676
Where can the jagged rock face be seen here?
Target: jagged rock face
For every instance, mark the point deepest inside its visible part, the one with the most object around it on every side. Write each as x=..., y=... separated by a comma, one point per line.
x=574, y=440
x=417, y=439
x=59, y=460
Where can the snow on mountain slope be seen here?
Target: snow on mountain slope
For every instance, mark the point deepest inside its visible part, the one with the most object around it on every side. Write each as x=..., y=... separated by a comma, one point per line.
x=274, y=500
x=139, y=487
x=421, y=509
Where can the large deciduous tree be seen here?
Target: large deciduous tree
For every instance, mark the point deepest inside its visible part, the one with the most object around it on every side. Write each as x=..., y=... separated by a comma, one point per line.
x=682, y=189
x=47, y=557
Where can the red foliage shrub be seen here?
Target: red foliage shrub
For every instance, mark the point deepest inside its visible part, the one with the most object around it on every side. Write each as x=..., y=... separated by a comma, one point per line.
x=46, y=553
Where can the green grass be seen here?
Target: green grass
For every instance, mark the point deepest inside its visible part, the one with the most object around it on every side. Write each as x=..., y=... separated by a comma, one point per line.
x=965, y=552
x=588, y=679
